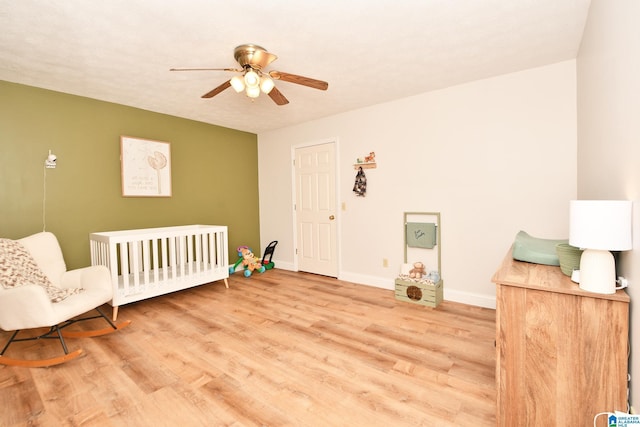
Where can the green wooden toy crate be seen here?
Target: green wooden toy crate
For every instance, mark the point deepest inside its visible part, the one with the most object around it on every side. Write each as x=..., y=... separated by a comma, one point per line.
x=419, y=293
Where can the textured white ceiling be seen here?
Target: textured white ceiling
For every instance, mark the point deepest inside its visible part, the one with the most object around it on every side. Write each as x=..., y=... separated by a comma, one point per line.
x=370, y=51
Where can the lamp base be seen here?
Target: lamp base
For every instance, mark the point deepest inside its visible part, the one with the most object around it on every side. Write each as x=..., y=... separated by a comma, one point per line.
x=598, y=271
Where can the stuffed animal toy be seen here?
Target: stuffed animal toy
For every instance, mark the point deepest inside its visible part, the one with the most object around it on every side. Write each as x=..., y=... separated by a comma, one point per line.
x=370, y=158
x=250, y=261
x=417, y=271
x=433, y=276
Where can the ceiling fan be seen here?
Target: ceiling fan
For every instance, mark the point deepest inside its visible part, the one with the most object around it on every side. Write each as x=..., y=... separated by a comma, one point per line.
x=254, y=79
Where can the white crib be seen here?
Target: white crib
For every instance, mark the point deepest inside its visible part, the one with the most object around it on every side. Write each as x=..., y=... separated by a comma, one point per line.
x=150, y=262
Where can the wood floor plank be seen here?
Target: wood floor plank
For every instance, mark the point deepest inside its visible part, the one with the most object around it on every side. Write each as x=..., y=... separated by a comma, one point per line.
x=276, y=349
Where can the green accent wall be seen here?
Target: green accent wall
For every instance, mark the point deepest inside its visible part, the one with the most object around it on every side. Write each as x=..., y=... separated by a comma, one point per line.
x=214, y=171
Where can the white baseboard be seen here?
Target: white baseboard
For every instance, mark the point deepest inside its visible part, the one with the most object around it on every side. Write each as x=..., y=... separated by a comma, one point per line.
x=362, y=279
x=479, y=300
x=283, y=265
x=486, y=301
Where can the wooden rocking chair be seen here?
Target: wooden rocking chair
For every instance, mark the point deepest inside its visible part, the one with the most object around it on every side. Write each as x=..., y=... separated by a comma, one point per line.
x=32, y=276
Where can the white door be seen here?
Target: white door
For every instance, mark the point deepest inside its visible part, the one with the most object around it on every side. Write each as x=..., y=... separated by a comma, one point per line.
x=316, y=209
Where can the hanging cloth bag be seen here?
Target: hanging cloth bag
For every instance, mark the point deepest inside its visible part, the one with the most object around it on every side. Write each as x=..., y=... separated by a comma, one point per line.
x=360, y=186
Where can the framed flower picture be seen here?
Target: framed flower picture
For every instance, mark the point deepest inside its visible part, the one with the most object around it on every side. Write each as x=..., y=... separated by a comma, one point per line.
x=146, y=167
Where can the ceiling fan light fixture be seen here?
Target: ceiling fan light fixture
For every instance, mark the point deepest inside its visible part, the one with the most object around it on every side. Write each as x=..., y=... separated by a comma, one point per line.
x=254, y=78
x=251, y=79
x=237, y=83
x=266, y=84
x=253, y=92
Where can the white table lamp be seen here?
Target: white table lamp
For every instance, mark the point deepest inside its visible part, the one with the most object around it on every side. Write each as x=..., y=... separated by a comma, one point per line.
x=598, y=227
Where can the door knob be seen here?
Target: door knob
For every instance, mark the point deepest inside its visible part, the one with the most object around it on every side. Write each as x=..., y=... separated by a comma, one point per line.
x=332, y=217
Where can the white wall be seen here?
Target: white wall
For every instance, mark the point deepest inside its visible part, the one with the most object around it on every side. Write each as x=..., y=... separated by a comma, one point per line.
x=493, y=156
x=608, y=70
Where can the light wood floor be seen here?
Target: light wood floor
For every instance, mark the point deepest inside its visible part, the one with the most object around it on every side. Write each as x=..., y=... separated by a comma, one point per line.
x=276, y=349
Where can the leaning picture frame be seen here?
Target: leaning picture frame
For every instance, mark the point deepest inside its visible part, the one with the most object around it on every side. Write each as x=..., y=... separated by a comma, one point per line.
x=146, y=167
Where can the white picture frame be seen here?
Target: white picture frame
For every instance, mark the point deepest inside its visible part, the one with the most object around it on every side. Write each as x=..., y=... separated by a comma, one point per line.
x=146, y=167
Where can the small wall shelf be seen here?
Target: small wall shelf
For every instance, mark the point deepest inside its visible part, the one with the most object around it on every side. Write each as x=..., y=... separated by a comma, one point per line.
x=369, y=165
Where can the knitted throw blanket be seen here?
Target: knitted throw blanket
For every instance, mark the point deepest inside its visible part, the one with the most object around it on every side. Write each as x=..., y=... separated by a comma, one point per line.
x=17, y=268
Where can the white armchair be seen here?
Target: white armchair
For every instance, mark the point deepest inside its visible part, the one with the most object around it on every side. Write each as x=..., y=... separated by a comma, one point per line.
x=26, y=297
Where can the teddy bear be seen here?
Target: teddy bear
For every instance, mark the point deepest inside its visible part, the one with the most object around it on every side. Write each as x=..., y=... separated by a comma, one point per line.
x=417, y=271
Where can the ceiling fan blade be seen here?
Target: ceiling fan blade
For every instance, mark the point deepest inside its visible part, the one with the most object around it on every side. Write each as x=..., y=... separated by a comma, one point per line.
x=293, y=78
x=278, y=97
x=217, y=90
x=206, y=69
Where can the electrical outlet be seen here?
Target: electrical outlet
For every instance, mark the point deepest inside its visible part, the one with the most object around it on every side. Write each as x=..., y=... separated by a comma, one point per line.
x=385, y=262
x=344, y=206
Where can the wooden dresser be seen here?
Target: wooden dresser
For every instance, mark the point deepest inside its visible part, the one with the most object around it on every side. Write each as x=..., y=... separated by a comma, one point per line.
x=561, y=352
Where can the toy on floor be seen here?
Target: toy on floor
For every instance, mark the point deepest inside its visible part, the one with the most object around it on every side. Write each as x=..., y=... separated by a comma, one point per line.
x=249, y=262
x=268, y=252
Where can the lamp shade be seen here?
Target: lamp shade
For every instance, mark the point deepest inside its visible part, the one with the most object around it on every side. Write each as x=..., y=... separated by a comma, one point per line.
x=251, y=79
x=266, y=84
x=600, y=224
x=253, y=92
x=237, y=83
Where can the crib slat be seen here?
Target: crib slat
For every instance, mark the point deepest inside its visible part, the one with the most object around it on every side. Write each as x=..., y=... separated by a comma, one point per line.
x=198, y=252
x=146, y=261
x=134, y=267
x=190, y=260
x=219, y=250
x=165, y=260
x=173, y=257
x=113, y=266
x=156, y=264
x=205, y=252
x=124, y=265
x=180, y=256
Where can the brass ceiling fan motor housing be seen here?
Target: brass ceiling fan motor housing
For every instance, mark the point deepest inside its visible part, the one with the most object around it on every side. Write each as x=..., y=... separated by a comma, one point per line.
x=253, y=56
